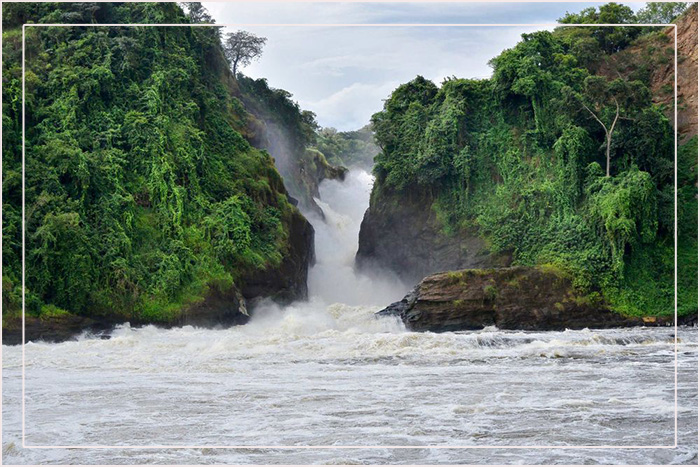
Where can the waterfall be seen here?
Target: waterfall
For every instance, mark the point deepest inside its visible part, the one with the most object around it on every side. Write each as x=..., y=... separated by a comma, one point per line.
x=333, y=278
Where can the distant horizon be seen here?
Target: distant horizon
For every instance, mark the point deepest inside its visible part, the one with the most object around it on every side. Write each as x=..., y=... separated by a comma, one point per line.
x=341, y=74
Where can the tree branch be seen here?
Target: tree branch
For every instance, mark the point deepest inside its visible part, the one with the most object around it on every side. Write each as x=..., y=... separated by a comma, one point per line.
x=617, y=115
x=594, y=116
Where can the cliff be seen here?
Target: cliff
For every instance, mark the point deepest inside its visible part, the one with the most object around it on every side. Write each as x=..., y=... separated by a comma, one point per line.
x=278, y=125
x=146, y=201
x=401, y=233
x=527, y=168
x=651, y=58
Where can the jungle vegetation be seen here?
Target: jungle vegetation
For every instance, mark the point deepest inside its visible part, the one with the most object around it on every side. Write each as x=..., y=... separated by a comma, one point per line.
x=142, y=189
x=554, y=162
x=145, y=187
x=348, y=148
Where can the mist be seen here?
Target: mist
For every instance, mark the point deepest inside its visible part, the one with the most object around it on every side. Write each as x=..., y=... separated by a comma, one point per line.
x=334, y=278
x=341, y=298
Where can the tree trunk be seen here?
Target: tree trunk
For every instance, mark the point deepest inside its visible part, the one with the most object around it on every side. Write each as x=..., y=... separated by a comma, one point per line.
x=608, y=136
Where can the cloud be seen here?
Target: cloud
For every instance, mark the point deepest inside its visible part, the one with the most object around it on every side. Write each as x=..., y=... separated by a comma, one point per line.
x=351, y=107
x=343, y=73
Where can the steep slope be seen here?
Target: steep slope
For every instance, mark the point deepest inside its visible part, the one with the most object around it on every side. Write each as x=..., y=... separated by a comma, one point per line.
x=145, y=202
x=650, y=58
x=279, y=126
x=514, y=168
x=401, y=232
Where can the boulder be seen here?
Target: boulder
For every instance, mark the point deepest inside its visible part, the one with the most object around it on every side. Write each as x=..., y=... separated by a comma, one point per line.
x=219, y=308
x=57, y=328
x=523, y=298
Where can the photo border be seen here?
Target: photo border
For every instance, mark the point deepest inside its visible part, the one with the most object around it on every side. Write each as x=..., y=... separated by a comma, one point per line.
x=545, y=25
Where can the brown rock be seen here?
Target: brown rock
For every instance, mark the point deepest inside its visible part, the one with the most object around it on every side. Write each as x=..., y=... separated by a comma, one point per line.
x=49, y=329
x=539, y=298
x=287, y=282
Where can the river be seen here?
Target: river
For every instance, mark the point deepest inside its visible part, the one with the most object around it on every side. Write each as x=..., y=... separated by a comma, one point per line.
x=327, y=373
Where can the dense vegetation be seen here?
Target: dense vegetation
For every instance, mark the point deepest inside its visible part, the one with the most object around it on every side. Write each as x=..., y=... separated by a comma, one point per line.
x=348, y=148
x=142, y=189
x=145, y=189
x=283, y=129
x=304, y=153
x=523, y=156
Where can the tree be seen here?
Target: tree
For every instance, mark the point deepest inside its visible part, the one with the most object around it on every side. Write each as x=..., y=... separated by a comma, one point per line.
x=661, y=12
x=609, y=101
x=241, y=48
x=197, y=12
x=610, y=38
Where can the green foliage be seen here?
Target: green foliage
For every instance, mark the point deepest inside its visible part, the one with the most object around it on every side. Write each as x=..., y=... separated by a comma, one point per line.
x=348, y=148
x=520, y=158
x=142, y=192
x=609, y=38
x=52, y=311
x=398, y=128
x=490, y=293
x=688, y=227
x=661, y=12
x=623, y=209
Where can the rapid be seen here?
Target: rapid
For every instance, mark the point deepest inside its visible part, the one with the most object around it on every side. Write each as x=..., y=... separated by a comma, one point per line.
x=326, y=372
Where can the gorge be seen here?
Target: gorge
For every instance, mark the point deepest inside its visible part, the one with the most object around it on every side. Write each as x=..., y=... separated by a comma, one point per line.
x=212, y=277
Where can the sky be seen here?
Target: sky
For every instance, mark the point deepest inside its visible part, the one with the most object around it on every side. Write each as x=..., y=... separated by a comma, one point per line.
x=343, y=74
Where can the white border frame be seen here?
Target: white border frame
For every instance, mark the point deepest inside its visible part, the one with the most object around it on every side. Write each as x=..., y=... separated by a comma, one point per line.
x=546, y=25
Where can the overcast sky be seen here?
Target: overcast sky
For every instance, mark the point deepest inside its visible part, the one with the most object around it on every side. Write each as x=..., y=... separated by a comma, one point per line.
x=343, y=73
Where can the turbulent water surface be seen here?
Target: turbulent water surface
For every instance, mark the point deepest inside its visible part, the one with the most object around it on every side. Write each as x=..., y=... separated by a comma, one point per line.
x=326, y=372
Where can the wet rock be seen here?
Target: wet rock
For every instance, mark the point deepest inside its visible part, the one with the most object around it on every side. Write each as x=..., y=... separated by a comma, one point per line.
x=218, y=308
x=402, y=234
x=49, y=329
x=287, y=282
x=402, y=306
x=539, y=298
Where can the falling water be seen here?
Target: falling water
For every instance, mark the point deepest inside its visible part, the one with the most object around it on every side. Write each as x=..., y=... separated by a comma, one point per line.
x=327, y=373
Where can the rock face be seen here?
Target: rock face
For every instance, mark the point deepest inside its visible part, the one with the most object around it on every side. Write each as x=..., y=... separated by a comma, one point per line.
x=307, y=175
x=539, y=298
x=403, y=235
x=287, y=282
x=217, y=309
x=687, y=72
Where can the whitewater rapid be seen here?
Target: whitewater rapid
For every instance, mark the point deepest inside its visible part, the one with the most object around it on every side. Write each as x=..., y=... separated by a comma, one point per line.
x=327, y=373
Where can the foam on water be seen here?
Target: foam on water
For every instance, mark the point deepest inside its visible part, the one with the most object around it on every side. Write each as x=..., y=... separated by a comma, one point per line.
x=327, y=372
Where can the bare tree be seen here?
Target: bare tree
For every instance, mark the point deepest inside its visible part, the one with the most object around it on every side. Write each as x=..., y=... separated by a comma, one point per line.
x=608, y=132
x=241, y=48
x=608, y=102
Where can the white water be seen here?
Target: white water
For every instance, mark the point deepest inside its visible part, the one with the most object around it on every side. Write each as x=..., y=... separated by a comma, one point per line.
x=326, y=372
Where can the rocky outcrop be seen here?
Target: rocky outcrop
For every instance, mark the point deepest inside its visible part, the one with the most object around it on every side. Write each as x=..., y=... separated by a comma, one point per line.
x=286, y=282
x=524, y=298
x=308, y=173
x=48, y=328
x=218, y=308
x=401, y=233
